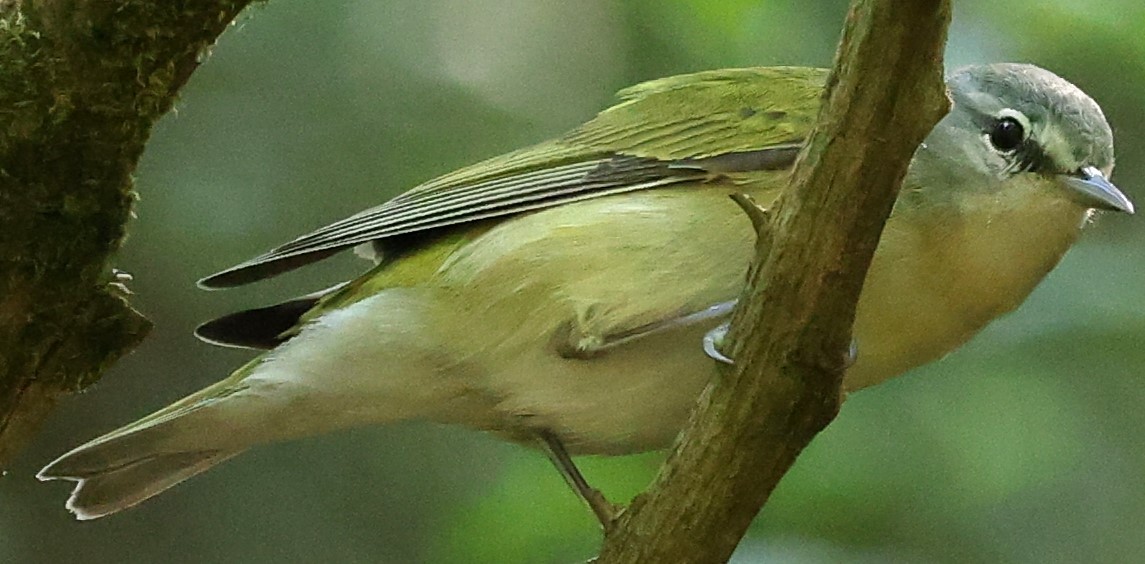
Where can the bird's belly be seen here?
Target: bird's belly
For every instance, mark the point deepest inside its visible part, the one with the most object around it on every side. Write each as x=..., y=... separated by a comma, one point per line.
x=631, y=399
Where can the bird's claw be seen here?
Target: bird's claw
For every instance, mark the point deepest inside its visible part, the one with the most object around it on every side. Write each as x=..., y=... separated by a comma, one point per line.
x=712, y=341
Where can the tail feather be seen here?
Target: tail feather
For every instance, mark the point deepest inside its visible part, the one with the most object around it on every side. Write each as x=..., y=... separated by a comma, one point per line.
x=101, y=492
x=142, y=459
x=323, y=379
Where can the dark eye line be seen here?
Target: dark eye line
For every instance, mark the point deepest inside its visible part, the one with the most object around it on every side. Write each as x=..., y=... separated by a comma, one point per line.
x=1029, y=157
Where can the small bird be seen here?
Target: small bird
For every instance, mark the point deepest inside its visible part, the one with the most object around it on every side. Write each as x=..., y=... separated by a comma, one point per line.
x=560, y=295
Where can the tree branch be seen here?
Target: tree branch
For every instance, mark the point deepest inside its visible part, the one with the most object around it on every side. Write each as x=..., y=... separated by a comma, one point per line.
x=791, y=331
x=81, y=84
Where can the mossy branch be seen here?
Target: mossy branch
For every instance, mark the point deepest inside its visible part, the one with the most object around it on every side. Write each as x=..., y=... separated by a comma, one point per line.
x=791, y=332
x=81, y=84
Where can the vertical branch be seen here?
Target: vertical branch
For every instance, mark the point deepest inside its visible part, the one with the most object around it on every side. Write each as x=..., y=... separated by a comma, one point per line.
x=81, y=84
x=883, y=97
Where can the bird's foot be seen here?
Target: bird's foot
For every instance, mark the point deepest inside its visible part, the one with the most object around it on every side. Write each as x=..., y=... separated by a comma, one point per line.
x=852, y=355
x=713, y=340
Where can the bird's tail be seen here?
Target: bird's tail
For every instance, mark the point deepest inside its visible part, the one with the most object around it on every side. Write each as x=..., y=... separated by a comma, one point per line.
x=137, y=461
x=327, y=377
x=109, y=489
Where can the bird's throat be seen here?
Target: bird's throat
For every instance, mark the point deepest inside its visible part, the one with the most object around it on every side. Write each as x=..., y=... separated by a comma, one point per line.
x=939, y=277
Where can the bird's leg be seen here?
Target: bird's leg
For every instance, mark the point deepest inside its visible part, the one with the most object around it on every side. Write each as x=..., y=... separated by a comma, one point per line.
x=604, y=510
x=573, y=342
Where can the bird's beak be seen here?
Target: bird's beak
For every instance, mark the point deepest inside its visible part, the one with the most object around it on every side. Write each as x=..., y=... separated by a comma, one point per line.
x=1090, y=187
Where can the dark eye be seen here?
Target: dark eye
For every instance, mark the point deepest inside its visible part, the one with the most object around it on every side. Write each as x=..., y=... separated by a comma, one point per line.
x=1007, y=134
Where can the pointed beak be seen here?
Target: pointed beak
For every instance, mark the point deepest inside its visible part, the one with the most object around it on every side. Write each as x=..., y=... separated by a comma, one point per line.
x=1090, y=187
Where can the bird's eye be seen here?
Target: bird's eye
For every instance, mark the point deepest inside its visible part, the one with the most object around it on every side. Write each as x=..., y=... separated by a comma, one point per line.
x=1007, y=134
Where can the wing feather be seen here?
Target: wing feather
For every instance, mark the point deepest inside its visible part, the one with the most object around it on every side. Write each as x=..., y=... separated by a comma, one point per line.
x=491, y=199
x=668, y=131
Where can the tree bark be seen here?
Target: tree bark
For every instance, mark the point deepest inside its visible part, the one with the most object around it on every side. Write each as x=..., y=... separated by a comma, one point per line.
x=791, y=332
x=81, y=84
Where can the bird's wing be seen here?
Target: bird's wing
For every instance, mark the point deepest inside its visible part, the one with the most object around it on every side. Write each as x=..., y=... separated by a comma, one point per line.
x=264, y=327
x=669, y=131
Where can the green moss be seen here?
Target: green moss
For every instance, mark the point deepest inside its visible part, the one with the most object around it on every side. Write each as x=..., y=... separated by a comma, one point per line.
x=81, y=85
x=19, y=54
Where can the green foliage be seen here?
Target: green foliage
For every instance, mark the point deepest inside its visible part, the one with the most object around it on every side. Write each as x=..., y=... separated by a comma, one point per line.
x=531, y=515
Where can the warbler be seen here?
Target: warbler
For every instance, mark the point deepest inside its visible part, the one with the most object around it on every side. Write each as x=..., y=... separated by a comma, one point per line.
x=560, y=295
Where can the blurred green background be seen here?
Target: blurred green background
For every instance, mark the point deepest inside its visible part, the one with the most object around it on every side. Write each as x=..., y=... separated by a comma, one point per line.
x=1025, y=446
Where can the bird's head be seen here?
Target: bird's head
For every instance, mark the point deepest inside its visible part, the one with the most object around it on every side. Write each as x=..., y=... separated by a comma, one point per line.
x=1018, y=125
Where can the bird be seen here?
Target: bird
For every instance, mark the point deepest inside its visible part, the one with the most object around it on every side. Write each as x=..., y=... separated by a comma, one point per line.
x=559, y=296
